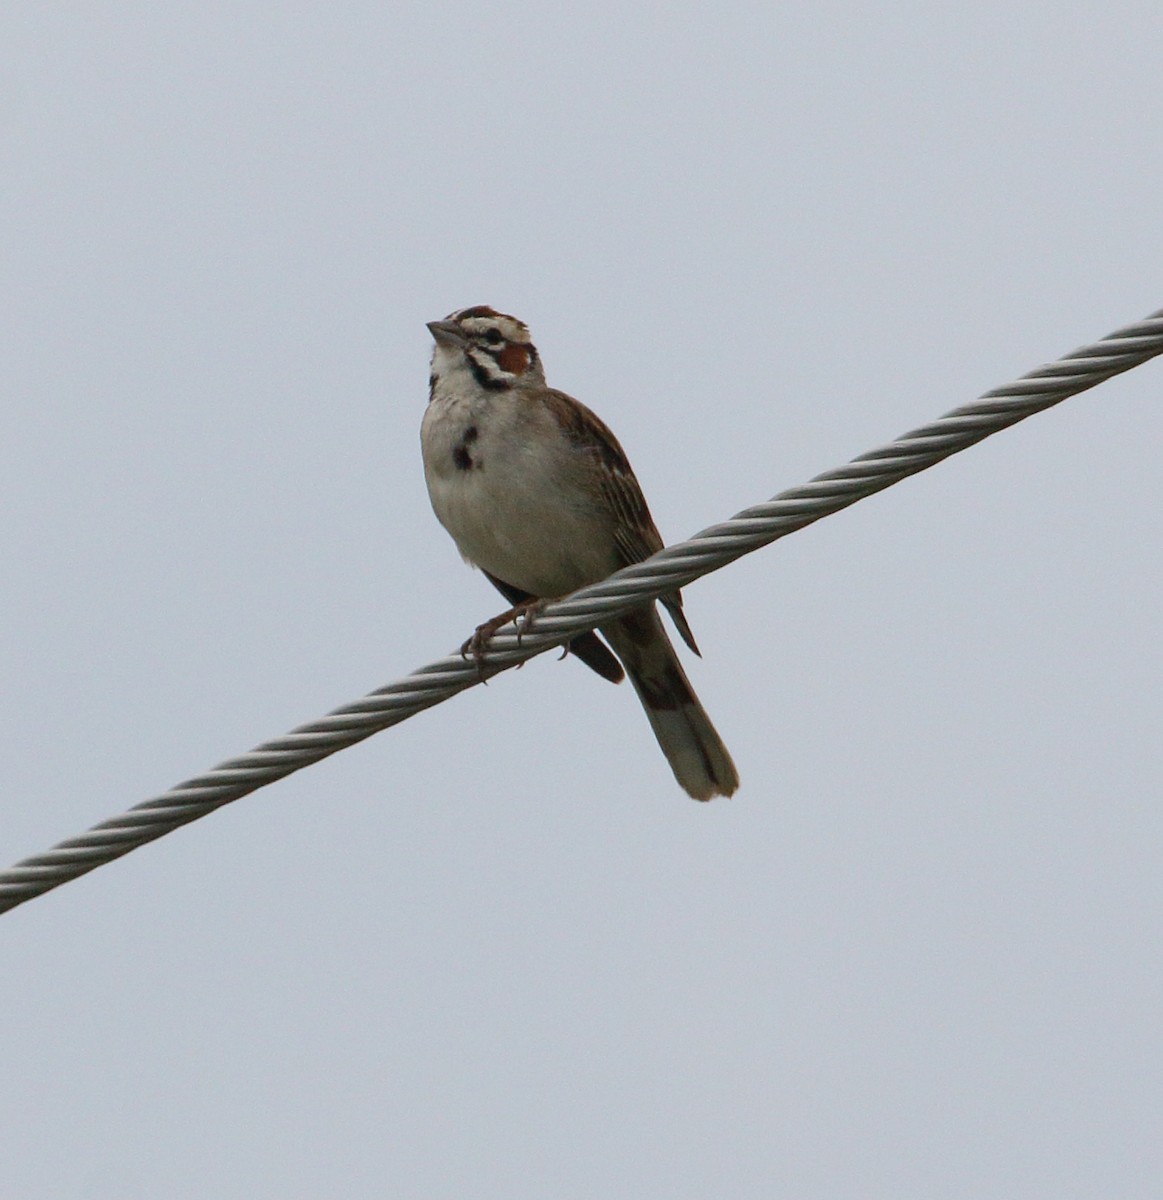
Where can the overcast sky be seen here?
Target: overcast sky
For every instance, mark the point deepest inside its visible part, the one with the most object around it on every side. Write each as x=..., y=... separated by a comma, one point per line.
x=495, y=952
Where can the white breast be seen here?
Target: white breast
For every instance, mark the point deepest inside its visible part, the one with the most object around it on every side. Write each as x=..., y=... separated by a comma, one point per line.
x=516, y=497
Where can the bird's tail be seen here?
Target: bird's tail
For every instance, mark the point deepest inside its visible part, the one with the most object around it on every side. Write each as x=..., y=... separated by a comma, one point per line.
x=697, y=756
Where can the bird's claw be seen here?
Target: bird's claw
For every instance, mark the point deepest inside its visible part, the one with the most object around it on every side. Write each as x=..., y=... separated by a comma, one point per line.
x=520, y=615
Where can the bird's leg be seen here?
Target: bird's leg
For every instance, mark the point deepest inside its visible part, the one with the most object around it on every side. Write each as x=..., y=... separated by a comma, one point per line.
x=524, y=619
x=520, y=615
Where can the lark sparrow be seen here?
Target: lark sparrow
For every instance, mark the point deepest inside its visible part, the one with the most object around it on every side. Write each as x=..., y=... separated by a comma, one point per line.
x=537, y=492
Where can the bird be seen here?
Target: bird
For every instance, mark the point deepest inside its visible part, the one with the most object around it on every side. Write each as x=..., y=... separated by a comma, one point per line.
x=538, y=493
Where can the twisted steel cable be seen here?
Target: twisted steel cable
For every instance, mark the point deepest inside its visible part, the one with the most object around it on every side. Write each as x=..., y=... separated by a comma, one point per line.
x=670, y=568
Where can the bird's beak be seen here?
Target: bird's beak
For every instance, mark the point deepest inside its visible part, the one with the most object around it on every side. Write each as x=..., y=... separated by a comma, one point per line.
x=446, y=333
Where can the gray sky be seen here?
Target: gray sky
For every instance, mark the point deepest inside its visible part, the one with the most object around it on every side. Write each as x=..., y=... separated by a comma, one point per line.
x=495, y=952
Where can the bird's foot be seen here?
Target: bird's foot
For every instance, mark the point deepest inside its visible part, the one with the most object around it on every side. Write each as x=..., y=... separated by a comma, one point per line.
x=521, y=615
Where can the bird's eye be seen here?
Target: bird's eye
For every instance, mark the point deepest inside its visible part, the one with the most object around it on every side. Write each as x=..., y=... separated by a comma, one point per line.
x=493, y=336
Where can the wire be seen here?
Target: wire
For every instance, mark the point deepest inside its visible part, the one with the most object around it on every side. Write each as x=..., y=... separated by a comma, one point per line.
x=663, y=572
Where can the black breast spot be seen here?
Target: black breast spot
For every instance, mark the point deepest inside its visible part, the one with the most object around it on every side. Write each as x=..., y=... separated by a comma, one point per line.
x=460, y=455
